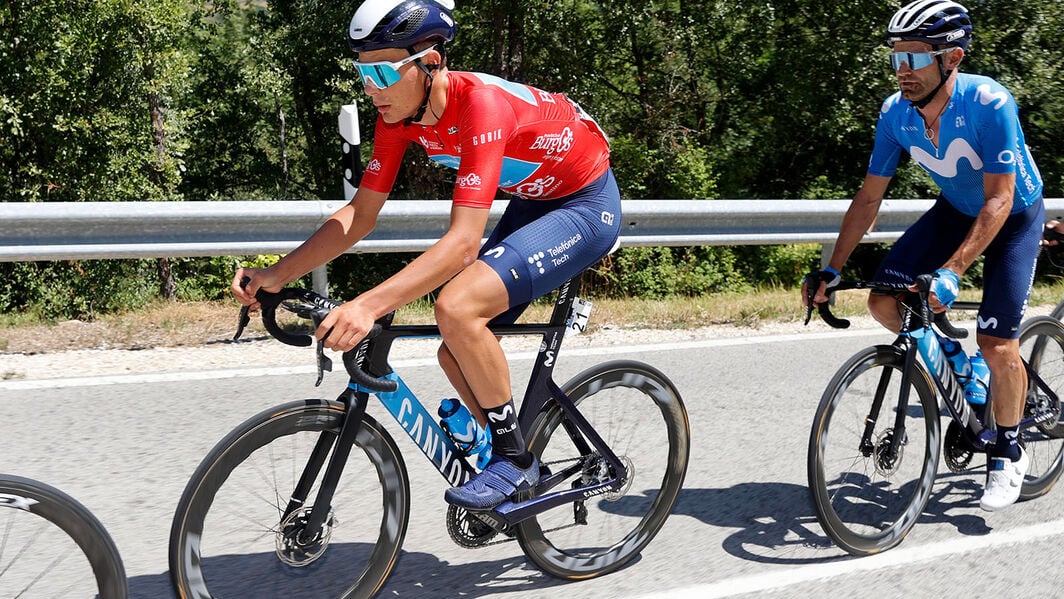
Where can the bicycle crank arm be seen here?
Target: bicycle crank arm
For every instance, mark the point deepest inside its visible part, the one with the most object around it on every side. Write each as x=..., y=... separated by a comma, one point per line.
x=513, y=512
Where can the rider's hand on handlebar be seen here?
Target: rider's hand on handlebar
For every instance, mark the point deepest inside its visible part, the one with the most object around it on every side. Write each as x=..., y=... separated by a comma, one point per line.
x=820, y=281
x=945, y=286
x=345, y=326
x=256, y=278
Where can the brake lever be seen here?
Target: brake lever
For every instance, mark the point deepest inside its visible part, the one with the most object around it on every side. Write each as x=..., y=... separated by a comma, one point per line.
x=324, y=362
x=810, y=293
x=242, y=322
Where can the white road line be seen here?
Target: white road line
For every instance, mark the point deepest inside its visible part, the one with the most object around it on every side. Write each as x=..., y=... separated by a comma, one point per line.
x=166, y=377
x=891, y=559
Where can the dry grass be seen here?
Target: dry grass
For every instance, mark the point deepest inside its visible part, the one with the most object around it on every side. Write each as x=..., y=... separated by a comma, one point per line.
x=177, y=324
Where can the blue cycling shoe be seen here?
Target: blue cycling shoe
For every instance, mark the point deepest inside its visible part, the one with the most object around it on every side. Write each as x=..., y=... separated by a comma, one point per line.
x=500, y=480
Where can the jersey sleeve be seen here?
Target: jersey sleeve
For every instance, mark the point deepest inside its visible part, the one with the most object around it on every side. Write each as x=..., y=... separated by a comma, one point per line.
x=389, y=145
x=486, y=124
x=1000, y=124
x=887, y=150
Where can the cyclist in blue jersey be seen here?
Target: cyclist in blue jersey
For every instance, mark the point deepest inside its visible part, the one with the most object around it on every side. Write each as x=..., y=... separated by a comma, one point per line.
x=965, y=132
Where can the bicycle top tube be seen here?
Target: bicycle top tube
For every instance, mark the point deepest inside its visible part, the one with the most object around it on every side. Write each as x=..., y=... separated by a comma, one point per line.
x=373, y=350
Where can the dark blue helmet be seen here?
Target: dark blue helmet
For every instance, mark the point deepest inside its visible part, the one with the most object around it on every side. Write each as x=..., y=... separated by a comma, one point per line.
x=380, y=24
x=934, y=22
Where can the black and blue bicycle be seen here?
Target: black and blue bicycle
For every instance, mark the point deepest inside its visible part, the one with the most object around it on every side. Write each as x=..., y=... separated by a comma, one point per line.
x=876, y=437
x=313, y=496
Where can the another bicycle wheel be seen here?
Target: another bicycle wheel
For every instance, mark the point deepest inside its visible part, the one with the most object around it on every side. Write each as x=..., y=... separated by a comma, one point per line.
x=639, y=413
x=228, y=539
x=1042, y=345
x=866, y=496
x=52, y=547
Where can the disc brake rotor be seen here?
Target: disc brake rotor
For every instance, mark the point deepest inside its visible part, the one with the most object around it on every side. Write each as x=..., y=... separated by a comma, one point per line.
x=291, y=545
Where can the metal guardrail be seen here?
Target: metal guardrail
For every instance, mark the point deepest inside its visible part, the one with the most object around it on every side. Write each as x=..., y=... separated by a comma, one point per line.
x=99, y=230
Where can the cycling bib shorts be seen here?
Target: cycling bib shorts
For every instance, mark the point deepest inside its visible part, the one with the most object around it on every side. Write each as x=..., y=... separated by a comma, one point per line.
x=1008, y=267
x=540, y=244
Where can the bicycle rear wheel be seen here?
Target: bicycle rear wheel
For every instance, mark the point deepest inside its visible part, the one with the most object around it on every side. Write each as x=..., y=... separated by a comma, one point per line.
x=1042, y=344
x=639, y=413
x=867, y=499
x=52, y=547
x=227, y=538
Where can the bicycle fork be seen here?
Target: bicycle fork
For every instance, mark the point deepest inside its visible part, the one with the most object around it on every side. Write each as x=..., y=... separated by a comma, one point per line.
x=310, y=530
x=887, y=454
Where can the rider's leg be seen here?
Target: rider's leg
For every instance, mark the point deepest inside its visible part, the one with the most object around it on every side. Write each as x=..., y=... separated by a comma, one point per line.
x=463, y=310
x=1008, y=387
x=1008, y=272
x=884, y=309
x=1007, y=462
x=450, y=367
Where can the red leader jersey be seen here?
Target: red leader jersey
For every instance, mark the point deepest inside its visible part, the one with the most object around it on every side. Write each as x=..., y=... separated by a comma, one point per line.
x=499, y=135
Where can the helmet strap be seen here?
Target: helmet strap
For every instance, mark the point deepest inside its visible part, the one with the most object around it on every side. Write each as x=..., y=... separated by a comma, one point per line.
x=427, y=69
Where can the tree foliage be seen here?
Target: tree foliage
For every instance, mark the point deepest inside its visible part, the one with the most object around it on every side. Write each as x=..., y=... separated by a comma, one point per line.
x=238, y=99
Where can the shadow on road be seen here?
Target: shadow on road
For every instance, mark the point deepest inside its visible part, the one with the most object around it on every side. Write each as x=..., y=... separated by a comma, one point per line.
x=777, y=522
x=417, y=575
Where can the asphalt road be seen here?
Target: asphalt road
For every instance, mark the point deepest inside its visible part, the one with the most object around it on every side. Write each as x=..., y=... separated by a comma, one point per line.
x=744, y=524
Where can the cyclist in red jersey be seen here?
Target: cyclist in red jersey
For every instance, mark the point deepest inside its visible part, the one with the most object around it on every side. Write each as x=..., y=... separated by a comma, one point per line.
x=565, y=215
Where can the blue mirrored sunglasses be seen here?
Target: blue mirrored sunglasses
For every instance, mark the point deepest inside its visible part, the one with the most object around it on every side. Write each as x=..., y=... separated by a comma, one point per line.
x=385, y=74
x=915, y=60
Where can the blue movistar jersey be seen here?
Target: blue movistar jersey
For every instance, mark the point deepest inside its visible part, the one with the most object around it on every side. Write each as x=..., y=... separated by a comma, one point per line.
x=979, y=133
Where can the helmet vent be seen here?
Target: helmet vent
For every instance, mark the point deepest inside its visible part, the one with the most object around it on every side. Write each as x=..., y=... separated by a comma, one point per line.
x=409, y=25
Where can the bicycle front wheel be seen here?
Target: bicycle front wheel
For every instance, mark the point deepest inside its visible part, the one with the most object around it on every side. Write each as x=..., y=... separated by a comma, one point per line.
x=52, y=547
x=228, y=538
x=1042, y=345
x=872, y=462
x=640, y=415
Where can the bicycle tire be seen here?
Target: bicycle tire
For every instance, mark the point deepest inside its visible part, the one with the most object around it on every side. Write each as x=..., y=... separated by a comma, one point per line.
x=1042, y=344
x=1058, y=311
x=612, y=395
x=865, y=501
x=23, y=538
x=224, y=541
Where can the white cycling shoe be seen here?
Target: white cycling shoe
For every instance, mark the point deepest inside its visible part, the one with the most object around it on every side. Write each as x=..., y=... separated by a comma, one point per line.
x=1003, y=482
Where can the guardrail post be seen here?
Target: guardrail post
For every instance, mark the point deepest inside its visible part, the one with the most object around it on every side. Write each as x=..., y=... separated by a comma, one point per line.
x=320, y=280
x=825, y=254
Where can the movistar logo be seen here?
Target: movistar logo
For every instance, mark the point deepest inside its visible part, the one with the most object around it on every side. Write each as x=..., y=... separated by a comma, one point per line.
x=985, y=96
x=947, y=166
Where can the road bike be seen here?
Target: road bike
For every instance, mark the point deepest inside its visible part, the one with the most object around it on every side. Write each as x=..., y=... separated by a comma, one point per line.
x=314, y=494
x=876, y=437
x=52, y=547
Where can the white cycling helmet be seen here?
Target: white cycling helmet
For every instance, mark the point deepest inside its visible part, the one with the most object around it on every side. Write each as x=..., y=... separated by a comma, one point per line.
x=934, y=22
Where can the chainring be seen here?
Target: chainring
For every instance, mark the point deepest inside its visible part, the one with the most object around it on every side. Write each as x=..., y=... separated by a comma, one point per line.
x=467, y=530
x=958, y=451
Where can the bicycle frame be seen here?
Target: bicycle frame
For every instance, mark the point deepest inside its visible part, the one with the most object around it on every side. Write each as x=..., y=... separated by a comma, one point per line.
x=916, y=334
x=424, y=430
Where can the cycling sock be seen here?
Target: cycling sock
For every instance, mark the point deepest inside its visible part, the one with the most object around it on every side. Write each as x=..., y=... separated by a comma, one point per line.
x=1007, y=444
x=506, y=438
